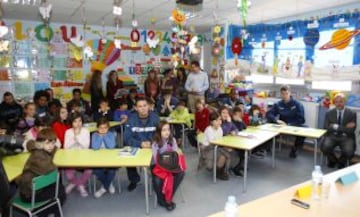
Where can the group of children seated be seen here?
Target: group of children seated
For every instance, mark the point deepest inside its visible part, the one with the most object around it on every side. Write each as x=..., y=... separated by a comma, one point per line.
x=220, y=122
x=45, y=129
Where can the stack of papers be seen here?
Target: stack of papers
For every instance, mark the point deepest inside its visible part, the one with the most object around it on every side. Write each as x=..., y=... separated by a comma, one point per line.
x=128, y=151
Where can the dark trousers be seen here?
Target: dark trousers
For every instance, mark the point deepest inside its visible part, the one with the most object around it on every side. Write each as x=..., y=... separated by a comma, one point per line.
x=299, y=142
x=133, y=175
x=46, y=194
x=191, y=135
x=105, y=176
x=346, y=144
x=158, y=183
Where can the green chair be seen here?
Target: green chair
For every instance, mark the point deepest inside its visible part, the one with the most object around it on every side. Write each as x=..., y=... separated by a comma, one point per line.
x=39, y=183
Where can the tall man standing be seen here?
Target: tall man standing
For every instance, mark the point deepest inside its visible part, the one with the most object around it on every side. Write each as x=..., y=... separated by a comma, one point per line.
x=290, y=112
x=196, y=84
x=340, y=123
x=139, y=132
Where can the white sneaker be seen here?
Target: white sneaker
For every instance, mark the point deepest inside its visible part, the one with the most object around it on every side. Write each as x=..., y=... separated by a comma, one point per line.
x=100, y=192
x=69, y=188
x=111, y=189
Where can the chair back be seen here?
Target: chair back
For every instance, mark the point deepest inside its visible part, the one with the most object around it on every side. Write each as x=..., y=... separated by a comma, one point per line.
x=44, y=181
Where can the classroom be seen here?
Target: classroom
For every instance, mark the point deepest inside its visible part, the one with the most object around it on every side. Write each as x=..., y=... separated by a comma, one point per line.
x=232, y=108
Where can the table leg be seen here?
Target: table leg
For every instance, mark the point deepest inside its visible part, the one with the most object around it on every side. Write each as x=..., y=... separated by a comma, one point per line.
x=273, y=152
x=245, y=169
x=183, y=136
x=122, y=135
x=315, y=151
x=214, y=166
x=146, y=177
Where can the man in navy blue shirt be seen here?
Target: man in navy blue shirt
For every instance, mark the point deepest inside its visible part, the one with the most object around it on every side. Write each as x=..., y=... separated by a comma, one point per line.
x=139, y=132
x=288, y=111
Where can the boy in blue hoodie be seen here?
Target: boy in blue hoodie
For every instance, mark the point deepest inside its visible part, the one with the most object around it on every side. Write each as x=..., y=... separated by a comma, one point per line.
x=139, y=132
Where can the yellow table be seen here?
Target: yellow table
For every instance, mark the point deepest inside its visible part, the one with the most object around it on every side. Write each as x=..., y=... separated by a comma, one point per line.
x=253, y=138
x=312, y=133
x=342, y=201
x=92, y=125
x=14, y=165
x=87, y=158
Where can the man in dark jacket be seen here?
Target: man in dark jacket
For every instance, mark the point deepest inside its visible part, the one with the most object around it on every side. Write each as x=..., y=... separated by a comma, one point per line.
x=139, y=132
x=10, y=113
x=290, y=112
x=340, y=123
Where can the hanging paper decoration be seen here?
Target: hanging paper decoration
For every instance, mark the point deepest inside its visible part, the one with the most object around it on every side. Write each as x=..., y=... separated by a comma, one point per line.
x=291, y=33
x=3, y=29
x=152, y=42
x=45, y=10
x=243, y=8
x=311, y=37
x=236, y=48
x=146, y=49
x=178, y=17
x=134, y=37
x=156, y=51
x=340, y=39
x=104, y=54
x=192, y=44
x=216, y=49
x=76, y=52
x=77, y=41
x=263, y=41
x=117, y=43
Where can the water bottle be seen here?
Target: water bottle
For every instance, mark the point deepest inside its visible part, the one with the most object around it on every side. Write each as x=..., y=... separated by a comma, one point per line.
x=317, y=178
x=231, y=208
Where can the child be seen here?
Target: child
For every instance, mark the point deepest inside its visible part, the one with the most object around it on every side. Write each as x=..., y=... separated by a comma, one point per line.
x=61, y=124
x=31, y=134
x=202, y=116
x=104, y=138
x=27, y=121
x=122, y=113
x=227, y=125
x=77, y=137
x=76, y=107
x=131, y=99
x=255, y=116
x=213, y=132
x=103, y=111
x=40, y=162
x=166, y=103
x=165, y=182
x=245, y=117
x=180, y=113
x=229, y=128
x=237, y=119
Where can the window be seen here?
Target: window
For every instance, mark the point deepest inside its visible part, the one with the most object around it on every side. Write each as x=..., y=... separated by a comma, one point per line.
x=260, y=79
x=290, y=81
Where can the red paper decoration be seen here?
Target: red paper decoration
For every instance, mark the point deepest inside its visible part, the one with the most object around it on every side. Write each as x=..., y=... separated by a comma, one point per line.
x=135, y=35
x=236, y=46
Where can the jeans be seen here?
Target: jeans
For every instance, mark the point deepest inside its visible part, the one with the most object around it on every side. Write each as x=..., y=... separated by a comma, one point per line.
x=105, y=176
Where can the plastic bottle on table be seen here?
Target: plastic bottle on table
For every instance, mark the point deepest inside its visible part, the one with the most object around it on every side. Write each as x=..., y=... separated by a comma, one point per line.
x=231, y=208
x=317, y=179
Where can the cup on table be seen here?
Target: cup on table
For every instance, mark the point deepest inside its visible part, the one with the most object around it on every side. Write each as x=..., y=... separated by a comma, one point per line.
x=325, y=189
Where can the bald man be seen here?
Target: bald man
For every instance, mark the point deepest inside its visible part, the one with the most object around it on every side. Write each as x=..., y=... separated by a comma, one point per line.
x=340, y=123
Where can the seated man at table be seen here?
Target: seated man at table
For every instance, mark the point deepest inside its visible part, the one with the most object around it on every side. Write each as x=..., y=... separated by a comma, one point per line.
x=290, y=112
x=139, y=132
x=340, y=123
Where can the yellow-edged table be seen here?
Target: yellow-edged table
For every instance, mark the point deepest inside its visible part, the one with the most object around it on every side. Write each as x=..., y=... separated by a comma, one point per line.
x=312, y=133
x=341, y=201
x=247, y=140
x=87, y=158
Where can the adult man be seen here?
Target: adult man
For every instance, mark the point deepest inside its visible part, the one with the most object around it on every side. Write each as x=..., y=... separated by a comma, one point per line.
x=10, y=113
x=77, y=99
x=196, y=84
x=139, y=132
x=290, y=112
x=340, y=123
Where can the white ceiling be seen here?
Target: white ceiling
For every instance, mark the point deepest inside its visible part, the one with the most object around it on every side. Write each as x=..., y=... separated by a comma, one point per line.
x=71, y=11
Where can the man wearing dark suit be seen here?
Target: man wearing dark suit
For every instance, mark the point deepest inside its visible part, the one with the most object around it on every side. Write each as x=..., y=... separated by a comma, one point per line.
x=340, y=123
